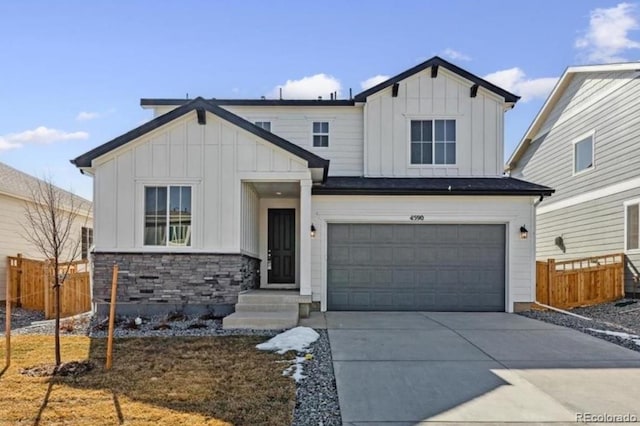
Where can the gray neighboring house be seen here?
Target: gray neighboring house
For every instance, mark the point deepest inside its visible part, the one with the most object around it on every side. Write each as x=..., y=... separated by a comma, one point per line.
x=584, y=143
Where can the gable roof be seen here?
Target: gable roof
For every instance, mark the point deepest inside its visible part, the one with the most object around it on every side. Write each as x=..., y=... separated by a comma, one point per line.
x=199, y=103
x=347, y=185
x=20, y=184
x=554, y=97
x=438, y=61
x=251, y=102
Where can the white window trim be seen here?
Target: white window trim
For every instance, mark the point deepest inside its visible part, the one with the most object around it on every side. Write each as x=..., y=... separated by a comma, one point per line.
x=262, y=120
x=166, y=246
x=582, y=137
x=626, y=205
x=411, y=118
x=328, y=134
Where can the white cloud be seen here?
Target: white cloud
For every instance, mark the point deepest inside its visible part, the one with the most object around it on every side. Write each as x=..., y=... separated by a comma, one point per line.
x=608, y=34
x=39, y=135
x=372, y=81
x=515, y=80
x=455, y=55
x=86, y=116
x=307, y=87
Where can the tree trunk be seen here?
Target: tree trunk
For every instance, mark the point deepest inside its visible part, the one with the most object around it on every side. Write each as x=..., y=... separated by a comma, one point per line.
x=57, y=332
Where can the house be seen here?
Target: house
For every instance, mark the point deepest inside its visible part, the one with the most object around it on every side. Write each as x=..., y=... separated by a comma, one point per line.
x=584, y=143
x=394, y=199
x=15, y=190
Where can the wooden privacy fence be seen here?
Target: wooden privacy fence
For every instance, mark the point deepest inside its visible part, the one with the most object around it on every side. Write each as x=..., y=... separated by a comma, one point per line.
x=31, y=286
x=579, y=282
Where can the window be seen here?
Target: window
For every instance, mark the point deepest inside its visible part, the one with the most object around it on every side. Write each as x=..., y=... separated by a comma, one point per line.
x=583, y=154
x=632, y=217
x=320, y=133
x=433, y=141
x=86, y=239
x=264, y=124
x=167, y=216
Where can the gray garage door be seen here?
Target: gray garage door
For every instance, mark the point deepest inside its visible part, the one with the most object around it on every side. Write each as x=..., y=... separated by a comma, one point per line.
x=376, y=267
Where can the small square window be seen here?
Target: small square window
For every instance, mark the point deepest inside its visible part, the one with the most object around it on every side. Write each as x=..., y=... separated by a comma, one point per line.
x=320, y=133
x=583, y=155
x=632, y=214
x=266, y=125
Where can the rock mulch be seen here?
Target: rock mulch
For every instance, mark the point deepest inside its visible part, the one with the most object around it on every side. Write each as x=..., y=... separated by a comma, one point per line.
x=316, y=394
x=622, y=316
x=73, y=368
x=19, y=317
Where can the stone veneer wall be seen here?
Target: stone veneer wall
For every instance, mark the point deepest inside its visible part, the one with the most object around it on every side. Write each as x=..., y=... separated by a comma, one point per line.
x=157, y=283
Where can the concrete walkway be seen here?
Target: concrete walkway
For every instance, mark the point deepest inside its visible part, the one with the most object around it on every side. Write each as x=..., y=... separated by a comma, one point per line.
x=396, y=368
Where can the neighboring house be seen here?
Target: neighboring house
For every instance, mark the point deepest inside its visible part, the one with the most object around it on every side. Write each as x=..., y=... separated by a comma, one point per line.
x=15, y=187
x=392, y=200
x=584, y=143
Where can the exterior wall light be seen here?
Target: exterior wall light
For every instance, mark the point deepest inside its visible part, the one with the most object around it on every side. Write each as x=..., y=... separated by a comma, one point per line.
x=524, y=234
x=313, y=231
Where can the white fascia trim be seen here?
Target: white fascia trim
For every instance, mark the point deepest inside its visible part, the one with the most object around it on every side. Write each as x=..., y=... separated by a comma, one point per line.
x=592, y=195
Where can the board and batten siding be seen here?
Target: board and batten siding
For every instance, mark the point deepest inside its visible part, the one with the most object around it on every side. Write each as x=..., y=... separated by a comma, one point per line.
x=250, y=225
x=512, y=211
x=479, y=127
x=616, y=125
x=214, y=159
x=345, y=150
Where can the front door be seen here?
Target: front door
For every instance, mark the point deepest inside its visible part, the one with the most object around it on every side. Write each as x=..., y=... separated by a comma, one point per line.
x=281, y=254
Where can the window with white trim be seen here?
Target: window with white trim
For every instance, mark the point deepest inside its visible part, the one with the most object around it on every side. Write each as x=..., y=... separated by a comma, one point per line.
x=583, y=154
x=321, y=133
x=433, y=141
x=86, y=235
x=632, y=228
x=266, y=125
x=167, y=216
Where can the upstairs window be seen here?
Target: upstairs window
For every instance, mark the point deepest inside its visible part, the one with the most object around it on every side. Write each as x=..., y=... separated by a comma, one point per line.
x=264, y=124
x=321, y=133
x=632, y=225
x=167, y=216
x=583, y=154
x=433, y=141
x=86, y=239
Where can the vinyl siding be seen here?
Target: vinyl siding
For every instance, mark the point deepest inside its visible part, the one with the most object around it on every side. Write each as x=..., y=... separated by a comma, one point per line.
x=479, y=126
x=214, y=159
x=345, y=150
x=513, y=211
x=250, y=220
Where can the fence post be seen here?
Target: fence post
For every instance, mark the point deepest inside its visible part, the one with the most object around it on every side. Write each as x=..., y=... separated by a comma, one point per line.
x=7, y=330
x=19, y=283
x=551, y=273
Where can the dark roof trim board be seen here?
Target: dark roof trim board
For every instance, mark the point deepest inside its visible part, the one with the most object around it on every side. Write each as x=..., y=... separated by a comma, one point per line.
x=313, y=160
x=336, y=185
x=251, y=102
x=435, y=62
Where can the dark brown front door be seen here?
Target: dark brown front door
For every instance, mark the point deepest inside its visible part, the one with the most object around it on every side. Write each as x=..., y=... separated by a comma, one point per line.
x=282, y=246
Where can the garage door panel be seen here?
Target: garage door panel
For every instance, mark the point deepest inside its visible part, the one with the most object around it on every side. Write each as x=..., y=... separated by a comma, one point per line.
x=416, y=267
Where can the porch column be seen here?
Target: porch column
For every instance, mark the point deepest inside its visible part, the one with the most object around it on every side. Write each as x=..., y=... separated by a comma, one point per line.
x=305, y=237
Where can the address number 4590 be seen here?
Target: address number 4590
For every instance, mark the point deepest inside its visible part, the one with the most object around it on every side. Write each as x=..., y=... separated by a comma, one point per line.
x=416, y=217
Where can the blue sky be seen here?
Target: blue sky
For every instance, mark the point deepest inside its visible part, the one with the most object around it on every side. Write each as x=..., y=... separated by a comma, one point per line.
x=72, y=72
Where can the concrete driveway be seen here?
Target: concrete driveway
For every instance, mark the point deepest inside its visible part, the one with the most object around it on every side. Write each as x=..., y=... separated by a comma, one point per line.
x=396, y=368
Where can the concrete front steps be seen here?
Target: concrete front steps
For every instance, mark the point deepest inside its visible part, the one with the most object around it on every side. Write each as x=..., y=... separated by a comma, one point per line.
x=266, y=310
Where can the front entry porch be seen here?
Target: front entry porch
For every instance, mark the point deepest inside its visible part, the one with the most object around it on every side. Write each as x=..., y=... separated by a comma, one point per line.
x=268, y=310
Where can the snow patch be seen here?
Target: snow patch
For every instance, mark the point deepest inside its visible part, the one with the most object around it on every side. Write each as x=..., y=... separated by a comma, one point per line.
x=297, y=339
x=633, y=337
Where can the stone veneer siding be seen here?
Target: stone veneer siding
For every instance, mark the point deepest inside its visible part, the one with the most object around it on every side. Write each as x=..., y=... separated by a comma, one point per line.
x=157, y=283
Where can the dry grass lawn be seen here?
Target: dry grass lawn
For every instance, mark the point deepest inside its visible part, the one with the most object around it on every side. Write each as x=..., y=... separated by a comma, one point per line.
x=154, y=381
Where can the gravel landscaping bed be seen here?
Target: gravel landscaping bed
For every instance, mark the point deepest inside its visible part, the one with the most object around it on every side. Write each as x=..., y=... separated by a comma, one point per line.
x=19, y=318
x=621, y=316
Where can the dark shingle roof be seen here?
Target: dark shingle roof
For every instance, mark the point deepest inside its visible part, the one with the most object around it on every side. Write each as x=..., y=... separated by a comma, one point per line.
x=347, y=185
x=438, y=61
x=313, y=160
x=251, y=102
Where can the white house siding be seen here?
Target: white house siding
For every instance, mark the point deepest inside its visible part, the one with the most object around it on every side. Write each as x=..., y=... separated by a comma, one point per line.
x=512, y=211
x=214, y=158
x=345, y=150
x=479, y=131
x=249, y=230
x=12, y=239
x=549, y=158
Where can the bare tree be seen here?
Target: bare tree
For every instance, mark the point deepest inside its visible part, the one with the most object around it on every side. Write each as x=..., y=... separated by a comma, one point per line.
x=51, y=216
